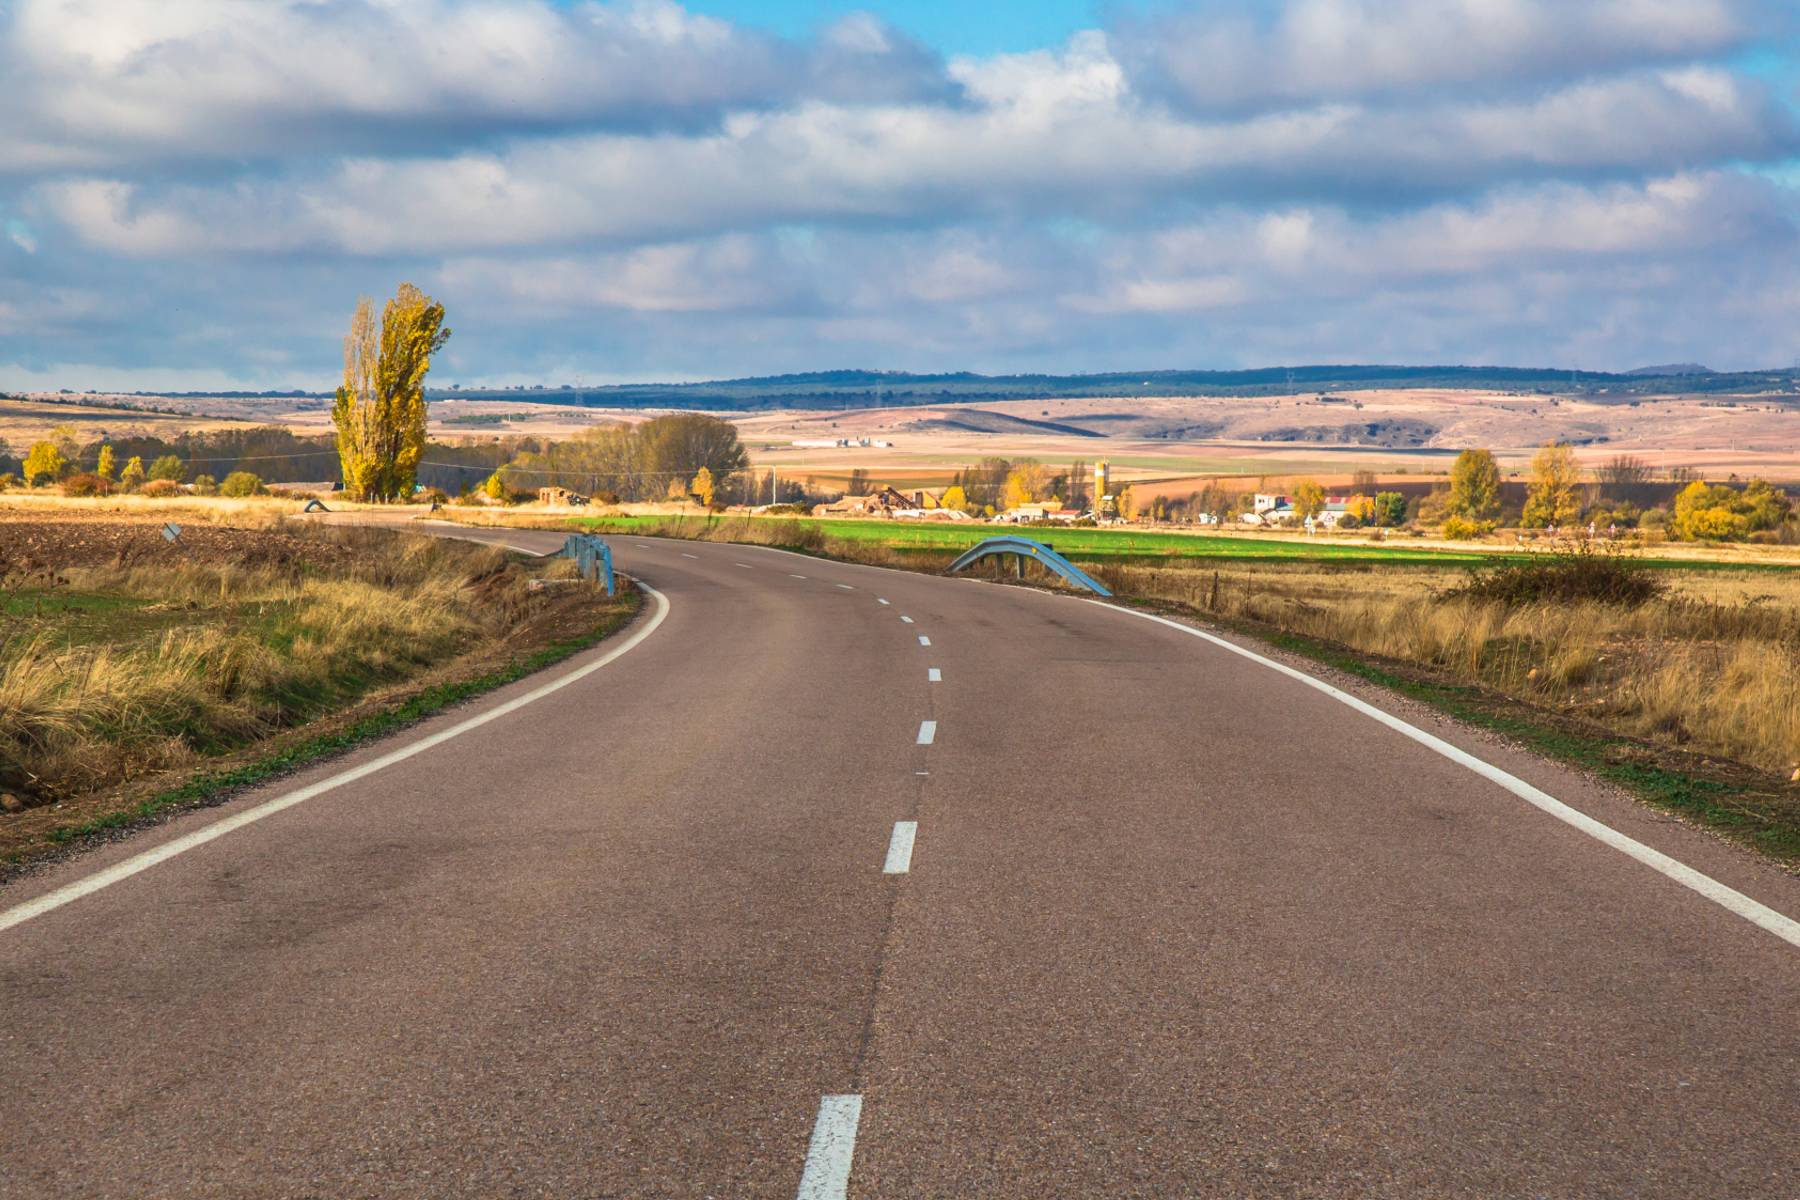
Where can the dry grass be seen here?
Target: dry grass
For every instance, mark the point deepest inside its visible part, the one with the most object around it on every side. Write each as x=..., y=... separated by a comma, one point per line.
x=130, y=669
x=1713, y=667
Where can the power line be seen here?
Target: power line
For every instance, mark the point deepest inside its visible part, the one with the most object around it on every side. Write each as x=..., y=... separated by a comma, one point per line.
x=600, y=473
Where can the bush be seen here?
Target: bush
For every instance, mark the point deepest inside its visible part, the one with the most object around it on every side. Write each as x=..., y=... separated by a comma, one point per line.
x=1581, y=571
x=8, y=482
x=205, y=485
x=87, y=484
x=162, y=489
x=239, y=484
x=1461, y=529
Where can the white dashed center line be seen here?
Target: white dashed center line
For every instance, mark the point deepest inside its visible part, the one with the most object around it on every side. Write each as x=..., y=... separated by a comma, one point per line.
x=908, y=620
x=685, y=554
x=746, y=566
x=927, y=732
x=879, y=600
x=900, y=848
x=933, y=675
x=791, y=575
x=923, y=640
x=846, y=587
x=827, y=1173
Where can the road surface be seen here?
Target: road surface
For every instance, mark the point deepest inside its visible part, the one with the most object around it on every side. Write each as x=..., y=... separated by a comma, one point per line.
x=845, y=881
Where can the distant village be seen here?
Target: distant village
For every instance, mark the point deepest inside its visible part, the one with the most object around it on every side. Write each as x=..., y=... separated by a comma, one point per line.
x=1267, y=509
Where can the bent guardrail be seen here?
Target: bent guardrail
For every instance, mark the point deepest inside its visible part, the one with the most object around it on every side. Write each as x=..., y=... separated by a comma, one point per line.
x=1027, y=550
x=593, y=558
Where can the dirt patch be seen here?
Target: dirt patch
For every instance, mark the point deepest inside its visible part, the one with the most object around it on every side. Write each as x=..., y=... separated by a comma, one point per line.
x=55, y=544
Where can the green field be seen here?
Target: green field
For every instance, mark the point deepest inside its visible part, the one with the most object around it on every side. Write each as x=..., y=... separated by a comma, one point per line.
x=1094, y=545
x=1073, y=543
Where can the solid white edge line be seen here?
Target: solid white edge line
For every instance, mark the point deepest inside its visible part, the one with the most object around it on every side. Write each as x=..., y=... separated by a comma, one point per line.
x=828, y=1156
x=900, y=848
x=923, y=640
x=933, y=675
x=927, y=732
x=71, y=892
x=1757, y=913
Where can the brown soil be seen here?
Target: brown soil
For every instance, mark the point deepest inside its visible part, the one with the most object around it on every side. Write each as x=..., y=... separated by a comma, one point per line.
x=38, y=544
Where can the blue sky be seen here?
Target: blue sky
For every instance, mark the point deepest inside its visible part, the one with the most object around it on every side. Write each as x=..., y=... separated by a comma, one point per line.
x=194, y=194
x=997, y=27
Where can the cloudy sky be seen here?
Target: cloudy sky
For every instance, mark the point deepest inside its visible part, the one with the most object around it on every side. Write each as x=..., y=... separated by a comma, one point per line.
x=194, y=192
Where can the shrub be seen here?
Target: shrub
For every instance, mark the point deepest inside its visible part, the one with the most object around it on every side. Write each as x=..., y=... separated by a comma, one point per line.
x=162, y=489
x=87, y=484
x=132, y=477
x=1461, y=529
x=239, y=484
x=168, y=467
x=205, y=485
x=8, y=482
x=1582, y=571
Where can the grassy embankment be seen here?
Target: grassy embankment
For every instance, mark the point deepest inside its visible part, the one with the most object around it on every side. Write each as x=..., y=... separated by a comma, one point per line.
x=1690, y=700
x=243, y=653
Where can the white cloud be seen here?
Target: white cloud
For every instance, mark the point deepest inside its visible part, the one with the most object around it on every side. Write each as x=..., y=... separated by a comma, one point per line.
x=1240, y=257
x=640, y=188
x=1045, y=138
x=1222, y=56
x=203, y=78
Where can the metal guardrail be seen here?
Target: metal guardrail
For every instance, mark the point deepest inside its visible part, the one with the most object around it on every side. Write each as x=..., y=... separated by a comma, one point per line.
x=593, y=559
x=1025, y=549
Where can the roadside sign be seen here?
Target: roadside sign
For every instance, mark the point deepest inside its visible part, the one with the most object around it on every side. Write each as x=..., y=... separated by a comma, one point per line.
x=171, y=531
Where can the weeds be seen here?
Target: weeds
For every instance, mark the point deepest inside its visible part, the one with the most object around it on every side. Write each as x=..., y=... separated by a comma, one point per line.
x=1578, y=572
x=206, y=657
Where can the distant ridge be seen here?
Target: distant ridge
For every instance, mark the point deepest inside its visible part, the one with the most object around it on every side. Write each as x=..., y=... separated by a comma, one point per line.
x=847, y=389
x=850, y=389
x=1674, y=370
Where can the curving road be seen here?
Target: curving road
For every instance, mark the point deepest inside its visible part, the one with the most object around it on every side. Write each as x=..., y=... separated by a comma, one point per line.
x=836, y=877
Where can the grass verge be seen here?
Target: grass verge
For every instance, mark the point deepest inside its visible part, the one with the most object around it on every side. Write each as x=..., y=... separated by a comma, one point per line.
x=1727, y=797
x=213, y=787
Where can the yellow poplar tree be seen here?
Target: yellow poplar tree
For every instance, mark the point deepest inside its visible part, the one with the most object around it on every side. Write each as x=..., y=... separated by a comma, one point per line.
x=1127, y=503
x=1475, y=486
x=104, y=468
x=133, y=474
x=412, y=330
x=1309, y=499
x=702, y=488
x=1024, y=483
x=357, y=409
x=954, y=497
x=1552, y=498
x=380, y=407
x=44, y=461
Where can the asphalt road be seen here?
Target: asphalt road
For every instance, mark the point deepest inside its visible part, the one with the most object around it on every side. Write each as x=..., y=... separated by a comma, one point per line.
x=1170, y=923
